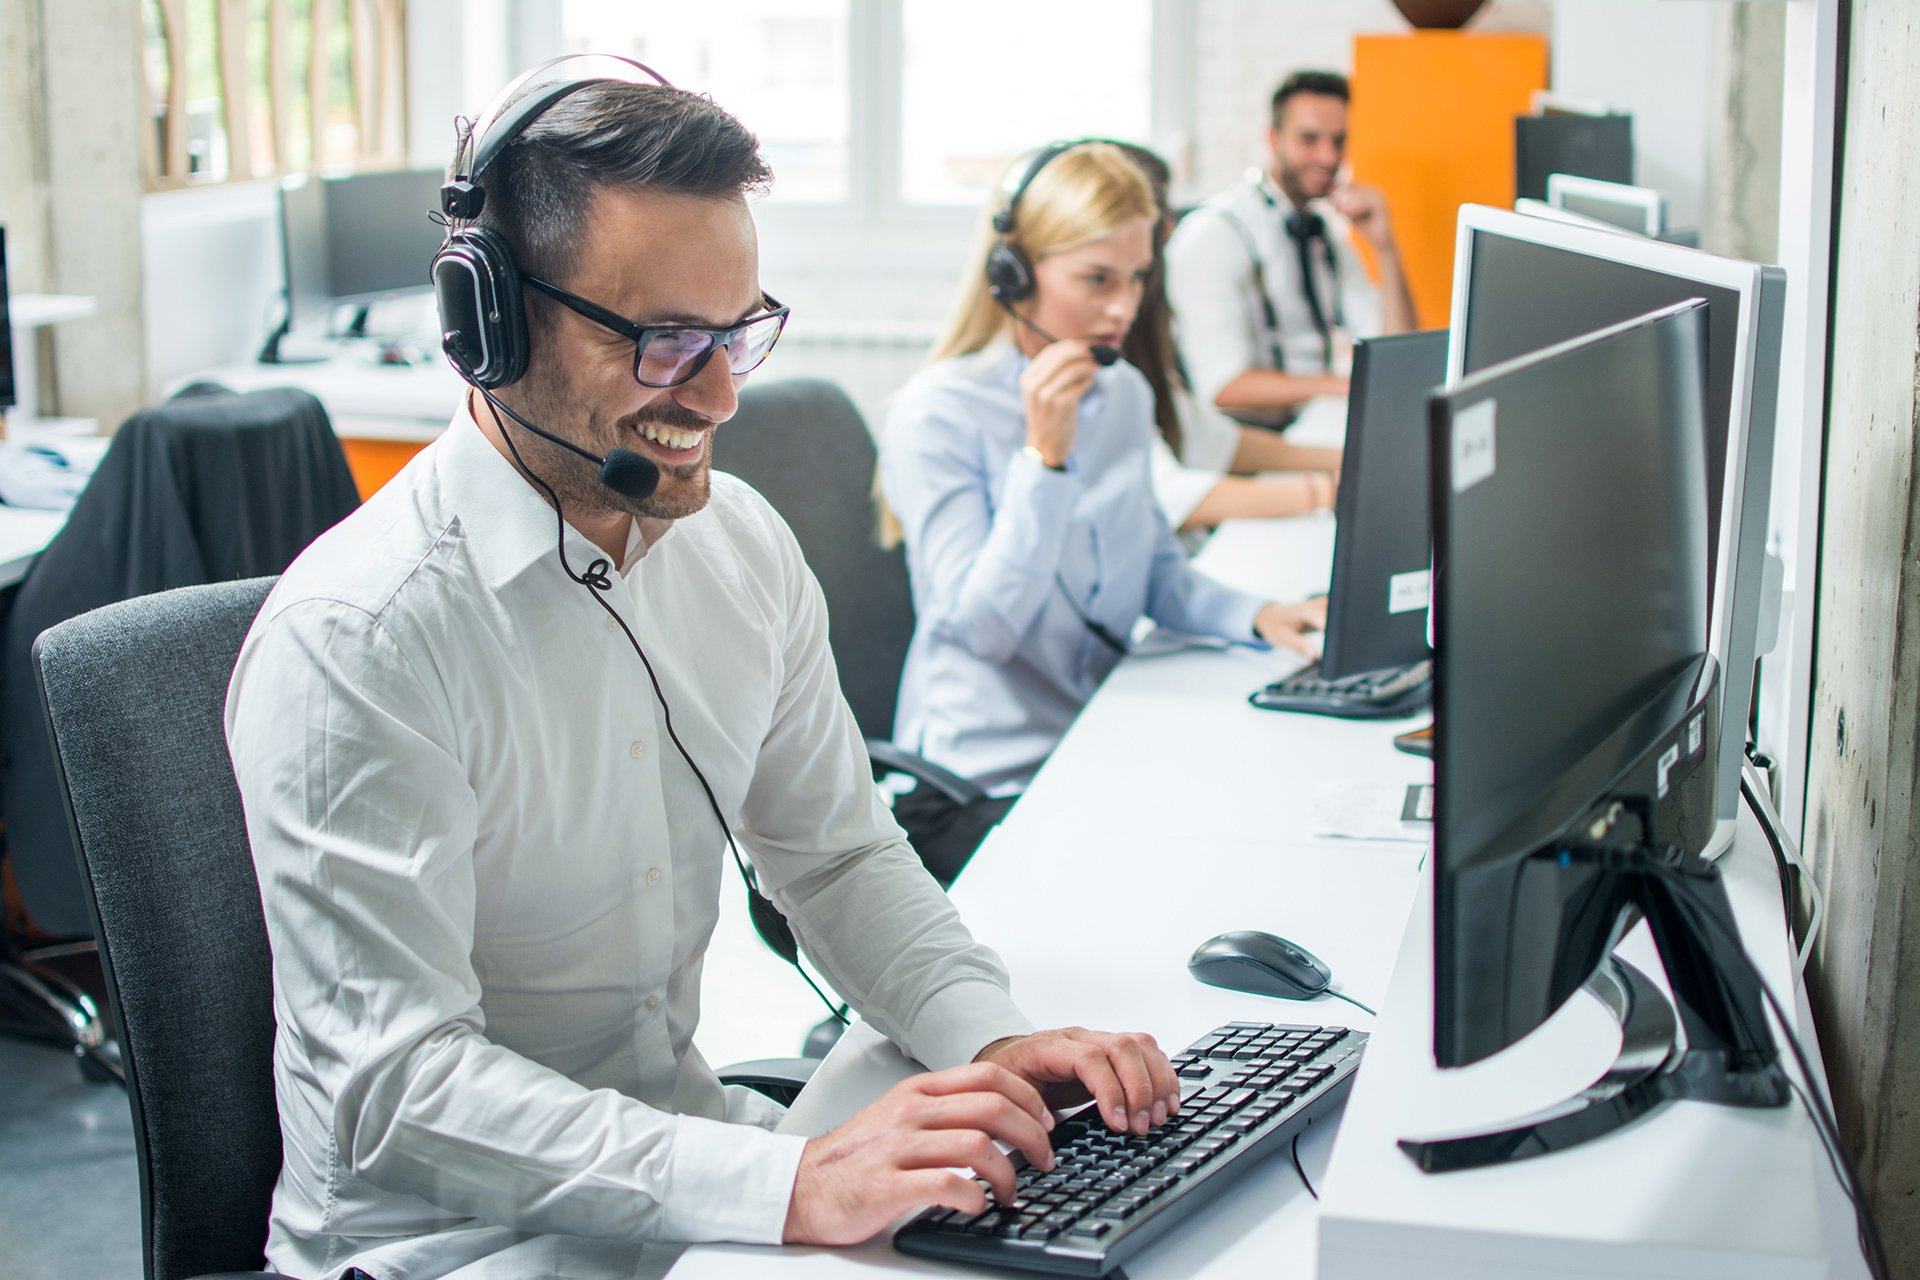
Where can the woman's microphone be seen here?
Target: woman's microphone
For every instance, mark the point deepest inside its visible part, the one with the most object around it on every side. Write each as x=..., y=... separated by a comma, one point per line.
x=1102, y=354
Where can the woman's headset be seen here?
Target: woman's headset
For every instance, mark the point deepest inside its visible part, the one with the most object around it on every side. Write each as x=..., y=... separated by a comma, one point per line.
x=476, y=282
x=1009, y=272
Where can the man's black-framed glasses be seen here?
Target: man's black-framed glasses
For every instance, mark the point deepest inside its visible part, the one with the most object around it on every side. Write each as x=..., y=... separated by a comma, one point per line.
x=669, y=355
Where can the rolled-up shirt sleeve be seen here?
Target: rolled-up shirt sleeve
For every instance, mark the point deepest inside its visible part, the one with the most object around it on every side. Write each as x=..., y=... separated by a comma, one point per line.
x=362, y=823
x=831, y=857
x=983, y=563
x=1211, y=290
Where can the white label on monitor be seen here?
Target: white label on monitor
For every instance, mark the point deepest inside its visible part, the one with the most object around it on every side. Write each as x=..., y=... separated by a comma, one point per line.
x=1472, y=445
x=1696, y=733
x=1668, y=758
x=1408, y=591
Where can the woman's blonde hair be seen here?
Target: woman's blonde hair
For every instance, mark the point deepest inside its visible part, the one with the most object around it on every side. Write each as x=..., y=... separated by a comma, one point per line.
x=1080, y=196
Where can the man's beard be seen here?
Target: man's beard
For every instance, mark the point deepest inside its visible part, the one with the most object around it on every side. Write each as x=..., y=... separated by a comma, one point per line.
x=549, y=402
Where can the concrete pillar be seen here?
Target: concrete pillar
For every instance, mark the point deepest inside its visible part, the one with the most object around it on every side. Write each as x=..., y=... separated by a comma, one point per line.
x=1740, y=212
x=92, y=109
x=1863, y=803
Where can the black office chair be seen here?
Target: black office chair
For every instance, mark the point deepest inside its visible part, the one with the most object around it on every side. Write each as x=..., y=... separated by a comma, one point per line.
x=208, y=487
x=134, y=698
x=804, y=446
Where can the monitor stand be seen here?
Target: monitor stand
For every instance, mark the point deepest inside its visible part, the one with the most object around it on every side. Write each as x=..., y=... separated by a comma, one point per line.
x=1714, y=1046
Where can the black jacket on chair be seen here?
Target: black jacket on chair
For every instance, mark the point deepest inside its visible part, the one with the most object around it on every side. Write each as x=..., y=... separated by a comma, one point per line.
x=204, y=488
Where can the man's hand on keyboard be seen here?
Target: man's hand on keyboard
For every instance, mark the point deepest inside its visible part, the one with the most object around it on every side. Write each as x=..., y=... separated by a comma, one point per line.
x=899, y=1153
x=1126, y=1075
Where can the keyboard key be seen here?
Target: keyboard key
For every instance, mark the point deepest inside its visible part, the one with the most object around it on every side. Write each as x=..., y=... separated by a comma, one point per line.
x=1093, y=1227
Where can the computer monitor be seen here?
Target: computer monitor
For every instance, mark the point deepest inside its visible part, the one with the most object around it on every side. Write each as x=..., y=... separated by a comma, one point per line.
x=1641, y=210
x=353, y=240
x=1521, y=284
x=1541, y=209
x=1377, y=599
x=6, y=331
x=1589, y=146
x=1573, y=698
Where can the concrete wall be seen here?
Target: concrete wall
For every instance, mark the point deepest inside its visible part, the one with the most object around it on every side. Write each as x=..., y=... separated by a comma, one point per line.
x=1863, y=804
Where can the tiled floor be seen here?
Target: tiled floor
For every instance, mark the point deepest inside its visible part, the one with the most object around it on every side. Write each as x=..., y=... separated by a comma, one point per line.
x=69, y=1193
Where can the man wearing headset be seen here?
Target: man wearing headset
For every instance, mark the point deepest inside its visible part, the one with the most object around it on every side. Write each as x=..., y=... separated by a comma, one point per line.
x=487, y=785
x=1266, y=286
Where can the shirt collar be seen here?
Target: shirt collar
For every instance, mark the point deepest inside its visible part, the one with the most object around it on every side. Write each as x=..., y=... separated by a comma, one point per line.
x=507, y=523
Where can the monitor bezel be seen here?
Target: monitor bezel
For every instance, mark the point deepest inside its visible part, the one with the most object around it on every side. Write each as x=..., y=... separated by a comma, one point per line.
x=1749, y=281
x=1650, y=204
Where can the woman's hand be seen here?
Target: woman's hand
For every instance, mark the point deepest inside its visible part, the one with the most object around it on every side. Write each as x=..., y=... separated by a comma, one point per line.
x=1286, y=625
x=1052, y=387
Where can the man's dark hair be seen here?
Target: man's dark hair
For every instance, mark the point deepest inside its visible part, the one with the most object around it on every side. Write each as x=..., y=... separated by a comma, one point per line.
x=617, y=134
x=1329, y=84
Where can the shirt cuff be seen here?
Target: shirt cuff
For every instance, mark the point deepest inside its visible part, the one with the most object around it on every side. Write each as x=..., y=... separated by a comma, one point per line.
x=728, y=1182
x=961, y=1019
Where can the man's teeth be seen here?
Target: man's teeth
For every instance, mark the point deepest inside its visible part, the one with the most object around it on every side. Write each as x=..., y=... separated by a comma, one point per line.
x=668, y=436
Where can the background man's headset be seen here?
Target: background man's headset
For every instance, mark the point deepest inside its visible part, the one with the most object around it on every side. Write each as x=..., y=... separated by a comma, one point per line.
x=1302, y=227
x=483, y=323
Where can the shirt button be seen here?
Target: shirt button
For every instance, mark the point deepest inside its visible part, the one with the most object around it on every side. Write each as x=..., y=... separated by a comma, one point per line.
x=652, y=1003
x=653, y=876
x=637, y=748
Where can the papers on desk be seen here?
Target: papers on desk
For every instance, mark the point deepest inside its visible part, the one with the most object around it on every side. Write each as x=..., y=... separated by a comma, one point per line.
x=1363, y=809
x=48, y=474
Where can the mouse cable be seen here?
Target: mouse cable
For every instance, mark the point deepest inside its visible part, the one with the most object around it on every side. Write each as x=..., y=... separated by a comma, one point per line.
x=1341, y=995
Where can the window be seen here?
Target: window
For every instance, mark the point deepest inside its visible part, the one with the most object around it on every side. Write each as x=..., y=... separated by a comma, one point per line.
x=882, y=109
x=985, y=81
x=781, y=66
x=239, y=89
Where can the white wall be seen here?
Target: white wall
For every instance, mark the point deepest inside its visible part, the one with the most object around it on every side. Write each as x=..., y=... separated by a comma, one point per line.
x=1649, y=58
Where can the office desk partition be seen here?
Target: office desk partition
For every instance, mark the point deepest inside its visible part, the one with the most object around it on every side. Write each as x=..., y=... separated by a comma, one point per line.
x=1173, y=811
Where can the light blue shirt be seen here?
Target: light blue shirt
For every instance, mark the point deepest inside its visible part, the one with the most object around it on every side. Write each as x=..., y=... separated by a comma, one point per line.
x=1002, y=549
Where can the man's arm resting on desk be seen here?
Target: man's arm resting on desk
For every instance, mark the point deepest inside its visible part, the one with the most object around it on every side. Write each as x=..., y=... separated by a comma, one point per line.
x=1272, y=389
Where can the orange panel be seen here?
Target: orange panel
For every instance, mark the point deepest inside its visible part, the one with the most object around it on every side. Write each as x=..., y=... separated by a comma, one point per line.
x=374, y=462
x=1432, y=127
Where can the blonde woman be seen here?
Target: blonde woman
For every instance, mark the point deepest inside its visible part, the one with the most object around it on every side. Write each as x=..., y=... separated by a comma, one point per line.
x=1017, y=465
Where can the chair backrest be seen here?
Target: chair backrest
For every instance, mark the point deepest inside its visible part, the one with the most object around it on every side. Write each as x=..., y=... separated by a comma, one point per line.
x=135, y=697
x=803, y=445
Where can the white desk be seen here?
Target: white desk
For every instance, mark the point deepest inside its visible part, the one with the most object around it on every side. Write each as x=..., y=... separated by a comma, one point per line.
x=408, y=404
x=24, y=534
x=1173, y=811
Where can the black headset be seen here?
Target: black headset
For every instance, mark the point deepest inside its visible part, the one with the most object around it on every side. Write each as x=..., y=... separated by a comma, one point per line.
x=483, y=324
x=1009, y=272
x=476, y=282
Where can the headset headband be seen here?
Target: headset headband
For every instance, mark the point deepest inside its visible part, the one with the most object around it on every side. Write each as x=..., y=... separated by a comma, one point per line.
x=508, y=116
x=1013, y=190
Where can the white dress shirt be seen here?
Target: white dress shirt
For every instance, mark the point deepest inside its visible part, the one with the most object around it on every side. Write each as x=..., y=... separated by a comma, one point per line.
x=1208, y=442
x=1210, y=284
x=490, y=881
x=1010, y=561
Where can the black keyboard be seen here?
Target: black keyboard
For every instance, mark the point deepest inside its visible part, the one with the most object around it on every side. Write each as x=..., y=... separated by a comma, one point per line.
x=1369, y=695
x=1247, y=1090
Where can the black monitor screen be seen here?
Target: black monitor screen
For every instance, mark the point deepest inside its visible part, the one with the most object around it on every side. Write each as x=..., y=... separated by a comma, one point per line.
x=1377, y=602
x=1570, y=551
x=1584, y=146
x=1523, y=296
x=6, y=331
x=379, y=237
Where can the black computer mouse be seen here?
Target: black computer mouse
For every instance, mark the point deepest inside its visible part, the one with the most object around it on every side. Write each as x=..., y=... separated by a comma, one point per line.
x=1260, y=963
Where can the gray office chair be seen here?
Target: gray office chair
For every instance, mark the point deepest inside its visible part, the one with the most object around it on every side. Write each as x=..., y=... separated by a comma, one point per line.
x=803, y=444
x=134, y=695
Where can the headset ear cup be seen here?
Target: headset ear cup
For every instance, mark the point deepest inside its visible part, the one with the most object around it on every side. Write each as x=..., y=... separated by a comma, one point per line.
x=1009, y=275
x=483, y=318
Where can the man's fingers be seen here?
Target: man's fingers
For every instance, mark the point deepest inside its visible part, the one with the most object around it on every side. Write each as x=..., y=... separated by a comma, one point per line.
x=986, y=1077
x=993, y=1115
x=1130, y=1067
x=922, y=1188
x=1092, y=1070
x=955, y=1148
x=1166, y=1085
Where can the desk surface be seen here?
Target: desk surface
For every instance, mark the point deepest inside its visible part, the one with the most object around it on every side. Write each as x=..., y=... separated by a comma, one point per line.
x=24, y=534
x=1173, y=811
x=365, y=400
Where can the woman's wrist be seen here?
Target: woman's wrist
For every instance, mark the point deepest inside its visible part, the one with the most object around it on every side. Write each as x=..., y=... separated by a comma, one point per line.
x=1041, y=455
